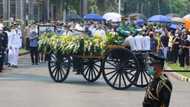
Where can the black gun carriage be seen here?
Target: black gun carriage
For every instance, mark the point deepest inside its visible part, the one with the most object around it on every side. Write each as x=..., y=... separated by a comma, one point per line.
x=121, y=68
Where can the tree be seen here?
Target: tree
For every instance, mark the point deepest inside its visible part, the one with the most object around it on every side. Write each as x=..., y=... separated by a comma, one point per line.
x=146, y=7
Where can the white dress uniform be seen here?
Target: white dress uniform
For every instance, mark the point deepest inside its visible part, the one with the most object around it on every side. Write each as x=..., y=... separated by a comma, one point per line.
x=11, y=49
x=146, y=43
x=130, y=41
x=139, y=41
x=19, y=33
x=14, y=44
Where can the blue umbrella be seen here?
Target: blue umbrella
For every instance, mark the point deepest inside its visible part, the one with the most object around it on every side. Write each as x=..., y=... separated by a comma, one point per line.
x=160, y=19
x=93, y=16
x=140, y=22
x=175, y=26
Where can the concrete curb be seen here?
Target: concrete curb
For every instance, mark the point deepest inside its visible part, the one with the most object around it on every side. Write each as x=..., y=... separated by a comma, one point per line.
x=177, y=76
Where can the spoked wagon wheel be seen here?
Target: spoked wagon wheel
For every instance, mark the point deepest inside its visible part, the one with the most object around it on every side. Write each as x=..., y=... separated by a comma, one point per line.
x=120, y=66
x=92, y=69
x=142, y=78
x=59, y=67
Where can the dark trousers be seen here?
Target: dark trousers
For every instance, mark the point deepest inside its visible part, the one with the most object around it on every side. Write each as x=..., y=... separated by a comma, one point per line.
x=77, y=64
x=1, y=60
x=43, y=56
x=34, y=55
x=175, y=54
x=170, y=55
x=184, y=58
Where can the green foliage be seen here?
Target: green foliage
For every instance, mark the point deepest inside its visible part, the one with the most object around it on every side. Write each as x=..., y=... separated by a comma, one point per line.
x=152, y=7
x=180, y=7
x=177, y=67
x=146, y=7
x=114, y=39
x=92, y=6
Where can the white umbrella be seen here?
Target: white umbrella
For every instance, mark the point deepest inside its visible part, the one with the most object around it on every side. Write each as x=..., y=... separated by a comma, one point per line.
x=177, y=19
x=113, y=17
x=187, y=16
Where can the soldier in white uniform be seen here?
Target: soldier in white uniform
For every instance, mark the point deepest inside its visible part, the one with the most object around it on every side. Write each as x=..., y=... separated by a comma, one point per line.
x=139, y=41
x=146, y=43
x=19, y=33
x=130, y=41
x=14, y=44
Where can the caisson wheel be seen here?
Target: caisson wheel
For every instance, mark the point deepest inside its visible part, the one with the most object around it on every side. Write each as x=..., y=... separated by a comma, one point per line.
x=92, y=70
x=119, y=68
x=142, y=78
x=59, y=67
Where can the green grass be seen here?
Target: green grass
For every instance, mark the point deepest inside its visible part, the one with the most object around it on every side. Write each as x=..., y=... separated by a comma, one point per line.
x=177, y=67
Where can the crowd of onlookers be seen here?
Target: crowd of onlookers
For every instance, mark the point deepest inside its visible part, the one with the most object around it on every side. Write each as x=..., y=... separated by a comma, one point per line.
x=172, y=43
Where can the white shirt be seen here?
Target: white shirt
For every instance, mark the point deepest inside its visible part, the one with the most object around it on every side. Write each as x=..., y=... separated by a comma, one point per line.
x=19, y=34
x=15, y=41
x=139, y=42
x=146, y=43
x=130, y=41
x=79, y=27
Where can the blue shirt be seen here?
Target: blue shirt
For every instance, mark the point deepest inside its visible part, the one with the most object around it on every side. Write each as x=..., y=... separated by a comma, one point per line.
x=33, y=39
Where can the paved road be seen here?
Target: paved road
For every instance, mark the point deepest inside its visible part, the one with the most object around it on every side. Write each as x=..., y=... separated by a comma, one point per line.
x=31, y=86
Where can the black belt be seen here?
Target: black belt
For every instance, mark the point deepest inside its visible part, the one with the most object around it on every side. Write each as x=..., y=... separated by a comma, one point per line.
x=151, y=104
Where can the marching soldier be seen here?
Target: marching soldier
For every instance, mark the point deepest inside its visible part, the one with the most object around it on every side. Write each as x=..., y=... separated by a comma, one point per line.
x=158, y=92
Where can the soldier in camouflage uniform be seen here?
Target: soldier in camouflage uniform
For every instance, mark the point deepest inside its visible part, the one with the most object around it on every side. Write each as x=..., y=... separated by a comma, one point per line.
x=158, y=92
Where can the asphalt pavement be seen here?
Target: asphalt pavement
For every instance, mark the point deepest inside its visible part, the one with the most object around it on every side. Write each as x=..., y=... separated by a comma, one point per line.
x=31, y=86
